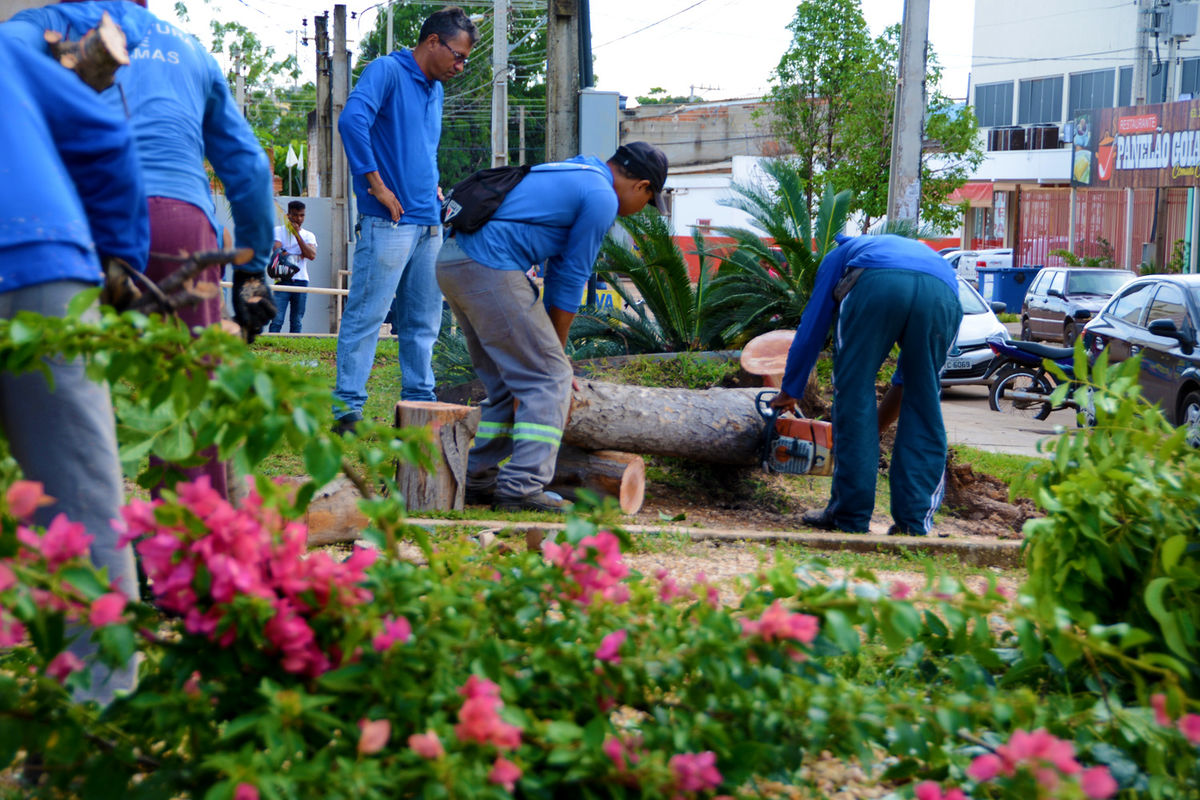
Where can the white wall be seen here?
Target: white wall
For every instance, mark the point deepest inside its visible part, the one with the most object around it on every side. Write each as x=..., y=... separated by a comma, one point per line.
x=699, y=196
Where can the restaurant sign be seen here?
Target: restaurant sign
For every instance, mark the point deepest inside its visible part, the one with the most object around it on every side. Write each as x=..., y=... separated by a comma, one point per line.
x=1140, y=147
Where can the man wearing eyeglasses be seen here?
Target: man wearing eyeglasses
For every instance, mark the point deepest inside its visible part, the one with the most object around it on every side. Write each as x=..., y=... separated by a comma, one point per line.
x=390, y=128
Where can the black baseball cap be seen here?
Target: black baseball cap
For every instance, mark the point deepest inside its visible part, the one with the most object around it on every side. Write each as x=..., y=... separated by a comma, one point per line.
x=648, y=162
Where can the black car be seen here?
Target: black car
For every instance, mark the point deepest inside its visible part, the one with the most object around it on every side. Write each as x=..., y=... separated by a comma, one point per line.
x=1157, y=316
x=1061, y=299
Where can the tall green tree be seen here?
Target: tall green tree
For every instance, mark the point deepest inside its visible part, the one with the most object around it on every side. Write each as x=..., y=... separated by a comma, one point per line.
x=833, y=96
x=467, y=120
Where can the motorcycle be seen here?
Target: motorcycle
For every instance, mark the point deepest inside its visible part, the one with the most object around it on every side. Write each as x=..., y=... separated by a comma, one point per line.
x=1021, y=384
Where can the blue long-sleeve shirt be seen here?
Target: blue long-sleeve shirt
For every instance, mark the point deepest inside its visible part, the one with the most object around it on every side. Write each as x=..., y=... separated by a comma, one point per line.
x=564, y=210
x=73, y=193
x=866, y=252
x=391, y=123
x=181, y=112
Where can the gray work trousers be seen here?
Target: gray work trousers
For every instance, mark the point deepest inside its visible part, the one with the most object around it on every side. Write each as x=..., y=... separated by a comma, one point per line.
x=65, y=438
x=517, y=356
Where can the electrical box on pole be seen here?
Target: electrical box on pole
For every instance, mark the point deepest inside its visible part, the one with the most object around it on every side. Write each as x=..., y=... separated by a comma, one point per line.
x=599, y=123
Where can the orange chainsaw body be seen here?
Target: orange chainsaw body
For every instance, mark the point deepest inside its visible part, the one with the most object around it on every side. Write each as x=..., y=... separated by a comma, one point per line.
x=800, y=446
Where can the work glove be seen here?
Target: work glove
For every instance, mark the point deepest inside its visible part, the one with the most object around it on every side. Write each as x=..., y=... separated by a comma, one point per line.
x=119, y=290
x=253, y=303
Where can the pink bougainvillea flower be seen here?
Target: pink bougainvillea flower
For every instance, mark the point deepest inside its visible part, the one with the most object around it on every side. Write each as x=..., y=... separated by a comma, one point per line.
x=12, y=632
x=504, y=773
x=1189, y=726
x=64, y=540
x=779, y=624
x=1097, y=783
x=478, y=687
x=695, y=772
x=107, y=609
x=191, y=687
x=668, y=590
x=25, y=497
x=610, y=647
x=479, y=721
x=373, y=735
x=62, y=665
x=1159, y=703
x=929, y=790
x=8, y=578
x=426, y=745
x=395, y=629
x=900, y=591
x=985, y=767
x=593, y=568
x=245, y=791
x=622, y=753
x=703, y=590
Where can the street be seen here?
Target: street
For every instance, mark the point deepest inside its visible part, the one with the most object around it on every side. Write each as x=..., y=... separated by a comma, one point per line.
x=970, y=421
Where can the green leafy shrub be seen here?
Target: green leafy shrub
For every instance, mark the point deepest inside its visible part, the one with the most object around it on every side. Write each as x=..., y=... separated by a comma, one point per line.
x=1120, y=543
x=685, y=371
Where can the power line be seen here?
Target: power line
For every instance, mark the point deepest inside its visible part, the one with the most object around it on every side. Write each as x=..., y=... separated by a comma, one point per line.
x=651, y=25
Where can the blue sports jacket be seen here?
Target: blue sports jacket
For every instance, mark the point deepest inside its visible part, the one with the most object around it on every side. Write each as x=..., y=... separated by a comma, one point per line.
x=181, y=112
x=866, y=252
x=391, y=124
x=73, y=193
x=559, y=212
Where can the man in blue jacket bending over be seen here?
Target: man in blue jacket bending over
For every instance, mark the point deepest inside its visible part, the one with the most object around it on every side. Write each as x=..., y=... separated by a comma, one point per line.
x=559, y=212
x=182, y=113
x=884, y=290
x=390, y=129
x=73, y=198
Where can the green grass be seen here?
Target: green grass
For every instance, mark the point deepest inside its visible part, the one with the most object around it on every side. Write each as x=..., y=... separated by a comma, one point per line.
x=685, y=371
x=1006, y=317
x=1005, y=466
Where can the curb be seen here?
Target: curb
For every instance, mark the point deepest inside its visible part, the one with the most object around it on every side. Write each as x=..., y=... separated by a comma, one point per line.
x=1005, y=554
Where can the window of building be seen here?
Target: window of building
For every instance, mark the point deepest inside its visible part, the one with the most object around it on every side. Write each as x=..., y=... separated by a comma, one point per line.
x=1189, y=77
x=1158, y=83
x=1040, y=100
x=1125, y=87
x=993, y=104
x=1091, y=90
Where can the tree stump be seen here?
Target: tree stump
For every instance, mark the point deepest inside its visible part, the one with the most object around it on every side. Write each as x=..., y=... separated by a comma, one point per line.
x=718, y=426
x=453, y=429
x=333, y=515
x=608, y=473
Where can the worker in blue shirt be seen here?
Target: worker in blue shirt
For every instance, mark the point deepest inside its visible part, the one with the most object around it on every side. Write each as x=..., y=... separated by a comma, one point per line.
x=390, y=128
x=559, y=215
x=885, y=290
x=182, y=113
x=73, y=199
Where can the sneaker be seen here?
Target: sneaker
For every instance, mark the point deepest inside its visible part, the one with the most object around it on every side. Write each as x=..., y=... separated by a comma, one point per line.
x=346, y=424
x=538, y=501
x=479, y=497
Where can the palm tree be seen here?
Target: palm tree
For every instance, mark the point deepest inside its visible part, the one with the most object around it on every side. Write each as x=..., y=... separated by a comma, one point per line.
x=760, y=286
x=665, y=312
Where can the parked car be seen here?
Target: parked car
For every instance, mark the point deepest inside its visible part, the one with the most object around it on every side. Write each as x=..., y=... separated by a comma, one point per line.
x=997, y=258
x=963, y=262
x=1157, y=316
x=970, y=359
x=1062, y=299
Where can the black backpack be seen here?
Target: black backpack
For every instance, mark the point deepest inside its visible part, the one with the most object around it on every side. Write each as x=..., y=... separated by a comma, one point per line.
x=471, y=202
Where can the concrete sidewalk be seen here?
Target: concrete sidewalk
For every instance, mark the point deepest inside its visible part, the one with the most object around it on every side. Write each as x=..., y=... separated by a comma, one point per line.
x=970, y=421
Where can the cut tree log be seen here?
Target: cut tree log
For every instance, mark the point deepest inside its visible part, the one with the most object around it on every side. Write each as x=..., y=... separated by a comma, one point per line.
x=608, y=473
x=96, y=57
x=719, y=426
x=333, y=515
x=453, y=429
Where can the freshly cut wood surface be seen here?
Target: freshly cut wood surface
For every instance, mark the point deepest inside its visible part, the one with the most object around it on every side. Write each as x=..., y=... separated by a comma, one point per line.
x=606, y=472
x=767, y=354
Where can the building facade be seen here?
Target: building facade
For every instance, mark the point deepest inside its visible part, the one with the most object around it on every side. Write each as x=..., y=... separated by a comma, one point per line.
x=1055, y=83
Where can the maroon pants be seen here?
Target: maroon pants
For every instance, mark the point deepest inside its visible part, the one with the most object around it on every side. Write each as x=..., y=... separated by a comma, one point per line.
x=179, y=226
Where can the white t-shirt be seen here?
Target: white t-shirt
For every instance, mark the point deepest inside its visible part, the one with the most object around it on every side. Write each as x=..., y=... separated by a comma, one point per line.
x=292, y=248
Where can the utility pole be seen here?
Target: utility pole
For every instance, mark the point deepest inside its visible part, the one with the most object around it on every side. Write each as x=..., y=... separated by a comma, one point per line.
x=562, y=79
x=239, y=79
x=391, y=34
x=1141, y=63
x=692, y=91
x=908, y=122
x=324, y=155
x=500, y=83
x=339, y=90
x=521, y=135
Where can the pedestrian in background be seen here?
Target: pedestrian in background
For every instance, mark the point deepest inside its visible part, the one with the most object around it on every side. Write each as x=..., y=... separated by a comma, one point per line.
x=182, y=114
x=76, y=199
x=884, y=290
x=390, y=128
x=559, y=215
x=300, y=245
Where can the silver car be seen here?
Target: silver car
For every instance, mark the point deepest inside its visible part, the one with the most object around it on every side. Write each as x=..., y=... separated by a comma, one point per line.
x=970, y=359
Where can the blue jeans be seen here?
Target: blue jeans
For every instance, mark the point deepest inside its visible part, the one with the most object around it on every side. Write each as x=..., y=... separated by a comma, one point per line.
x=297, y=300
x=391, y=260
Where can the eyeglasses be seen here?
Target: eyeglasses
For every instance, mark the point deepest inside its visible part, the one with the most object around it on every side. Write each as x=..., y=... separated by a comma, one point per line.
x=459, y=58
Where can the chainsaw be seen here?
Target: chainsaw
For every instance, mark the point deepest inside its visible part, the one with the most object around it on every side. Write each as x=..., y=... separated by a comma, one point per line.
x=794, y=445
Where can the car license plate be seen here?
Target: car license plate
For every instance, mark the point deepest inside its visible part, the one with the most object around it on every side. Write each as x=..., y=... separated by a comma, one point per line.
x=958, y=363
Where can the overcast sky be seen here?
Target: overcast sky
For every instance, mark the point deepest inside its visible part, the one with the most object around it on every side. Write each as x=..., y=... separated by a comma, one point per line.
x=728, y=45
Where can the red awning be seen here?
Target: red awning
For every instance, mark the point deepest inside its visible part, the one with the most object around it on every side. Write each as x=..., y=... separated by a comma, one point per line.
x=979, y=195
